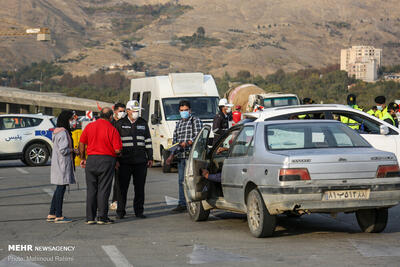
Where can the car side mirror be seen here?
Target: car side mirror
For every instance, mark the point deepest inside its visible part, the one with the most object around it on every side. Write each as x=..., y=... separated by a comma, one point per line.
x=155, y=119
x=384, y=130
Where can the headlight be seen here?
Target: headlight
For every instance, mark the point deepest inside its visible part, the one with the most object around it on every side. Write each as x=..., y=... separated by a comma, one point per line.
x=169, y=142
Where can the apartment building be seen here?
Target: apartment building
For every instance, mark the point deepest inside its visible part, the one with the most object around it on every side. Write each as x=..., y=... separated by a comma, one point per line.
x=362, y=62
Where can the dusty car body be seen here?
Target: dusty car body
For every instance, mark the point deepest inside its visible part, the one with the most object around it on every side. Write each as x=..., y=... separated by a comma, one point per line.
x=292, y=167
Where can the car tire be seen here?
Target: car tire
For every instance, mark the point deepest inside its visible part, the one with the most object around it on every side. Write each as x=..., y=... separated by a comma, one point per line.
x=372, y=220
x=164, y=155
x=196, y=211
x=36, y=155
x=23, y=160
x=261, y=223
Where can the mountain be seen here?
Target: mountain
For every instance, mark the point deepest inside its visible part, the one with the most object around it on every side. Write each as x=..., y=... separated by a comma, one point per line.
x=258, y=35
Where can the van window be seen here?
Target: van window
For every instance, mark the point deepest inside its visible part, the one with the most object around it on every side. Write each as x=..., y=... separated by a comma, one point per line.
x=146, y=105
x=136, y=96
x=204, y=108
x=157, y=109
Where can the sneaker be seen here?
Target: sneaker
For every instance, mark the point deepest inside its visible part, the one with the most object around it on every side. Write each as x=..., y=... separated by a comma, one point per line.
x=90, y=222
x=62, y=220
x=105, y=221
x=114, y=205
x=179, y=209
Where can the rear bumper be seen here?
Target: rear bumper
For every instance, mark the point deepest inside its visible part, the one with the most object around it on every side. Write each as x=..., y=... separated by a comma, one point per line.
x=310, y=198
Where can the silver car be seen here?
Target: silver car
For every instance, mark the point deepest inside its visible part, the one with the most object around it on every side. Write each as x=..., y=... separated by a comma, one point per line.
x=292, y=167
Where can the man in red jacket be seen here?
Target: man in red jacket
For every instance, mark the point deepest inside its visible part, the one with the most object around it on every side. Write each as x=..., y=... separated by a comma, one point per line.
x=103, y=144
x=237, y=115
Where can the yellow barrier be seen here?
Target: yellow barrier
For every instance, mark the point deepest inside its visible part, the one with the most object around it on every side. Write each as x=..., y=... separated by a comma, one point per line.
x=76, y=135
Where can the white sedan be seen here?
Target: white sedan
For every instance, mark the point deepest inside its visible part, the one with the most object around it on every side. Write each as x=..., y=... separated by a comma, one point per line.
x=378, y=133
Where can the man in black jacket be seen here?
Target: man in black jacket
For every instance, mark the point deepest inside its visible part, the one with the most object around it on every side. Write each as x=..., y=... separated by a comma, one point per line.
x=221, y=120
x=137, y=156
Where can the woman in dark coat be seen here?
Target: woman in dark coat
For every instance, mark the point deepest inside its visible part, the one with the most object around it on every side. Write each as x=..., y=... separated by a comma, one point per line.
x=62, y=165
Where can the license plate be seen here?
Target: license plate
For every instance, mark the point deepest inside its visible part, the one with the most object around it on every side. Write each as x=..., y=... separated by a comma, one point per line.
x=346, y=194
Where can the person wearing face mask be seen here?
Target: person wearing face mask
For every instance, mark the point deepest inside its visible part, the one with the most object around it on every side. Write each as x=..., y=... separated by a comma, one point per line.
x=221, y=120
x=390, y=116
x=185, y=132
x=137, y=156
x=62, y=165
x=381, y=106
x=119, y=113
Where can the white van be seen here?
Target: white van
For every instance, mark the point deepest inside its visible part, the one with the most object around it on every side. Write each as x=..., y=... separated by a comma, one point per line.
x=159, y=97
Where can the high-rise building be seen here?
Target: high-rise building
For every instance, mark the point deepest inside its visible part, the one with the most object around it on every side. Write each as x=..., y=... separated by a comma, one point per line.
x=362, y=62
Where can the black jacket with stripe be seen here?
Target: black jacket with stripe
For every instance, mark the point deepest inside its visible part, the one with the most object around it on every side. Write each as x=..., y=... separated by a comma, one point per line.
x=136, y=141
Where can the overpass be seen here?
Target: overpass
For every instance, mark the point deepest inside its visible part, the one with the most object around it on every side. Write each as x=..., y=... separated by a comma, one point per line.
x=15, y=100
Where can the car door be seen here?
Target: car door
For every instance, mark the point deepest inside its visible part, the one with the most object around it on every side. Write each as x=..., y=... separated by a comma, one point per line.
x=12, y=135
x=194, y=184
x=369, y=128
x=237, y=166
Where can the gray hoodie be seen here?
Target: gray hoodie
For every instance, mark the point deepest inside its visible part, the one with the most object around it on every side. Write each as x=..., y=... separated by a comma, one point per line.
x=62, y=164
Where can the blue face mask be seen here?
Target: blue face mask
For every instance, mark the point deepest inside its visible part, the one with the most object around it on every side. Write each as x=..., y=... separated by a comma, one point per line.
x=184, y=114
x=379, y=108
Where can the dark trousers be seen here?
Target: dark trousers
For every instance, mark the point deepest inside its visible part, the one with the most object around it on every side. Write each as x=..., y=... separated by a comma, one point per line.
x=99, y=173
x=115, y=186
x=57, y=201
x=139, y=172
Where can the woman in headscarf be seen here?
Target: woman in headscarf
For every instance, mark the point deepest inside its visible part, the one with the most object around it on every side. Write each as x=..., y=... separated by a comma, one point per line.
x=62, y=165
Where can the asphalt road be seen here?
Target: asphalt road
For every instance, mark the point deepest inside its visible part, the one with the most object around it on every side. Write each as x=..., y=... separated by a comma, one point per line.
x=165, y=239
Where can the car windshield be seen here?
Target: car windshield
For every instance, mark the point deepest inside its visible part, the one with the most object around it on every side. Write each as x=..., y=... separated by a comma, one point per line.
x=202, y=107
x=280, y=102
x=311, y=135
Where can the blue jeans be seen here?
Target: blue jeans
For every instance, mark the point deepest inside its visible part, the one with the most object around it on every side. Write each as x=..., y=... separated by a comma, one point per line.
x=57, y=201
x=181, y=175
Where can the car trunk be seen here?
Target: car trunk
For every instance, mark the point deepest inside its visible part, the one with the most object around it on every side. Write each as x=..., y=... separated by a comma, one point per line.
x=338, y=163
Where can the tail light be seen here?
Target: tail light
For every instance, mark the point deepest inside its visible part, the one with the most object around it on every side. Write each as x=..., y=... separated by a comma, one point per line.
x=294, y=175
x=51, y=129
x=385, y=171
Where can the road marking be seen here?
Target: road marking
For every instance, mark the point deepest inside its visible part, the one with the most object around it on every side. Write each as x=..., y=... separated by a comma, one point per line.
x=171, y=201
x=116, y=256
x=202, y=254
x=379, y=248
x=12, y=260
x=49, y=191
x=22, y=171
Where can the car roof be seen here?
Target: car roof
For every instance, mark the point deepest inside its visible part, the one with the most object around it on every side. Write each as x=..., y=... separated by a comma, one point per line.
x=276, y=111
x=291, y=122
x=39, y=116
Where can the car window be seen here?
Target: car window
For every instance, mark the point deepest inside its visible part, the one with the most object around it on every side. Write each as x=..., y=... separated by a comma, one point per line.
x=311, y=135
x=200, y=149
x=358, y=122
x=31, y=122
x=7, y=123
x=10, y=123
x=222, y=149
x=243, y=143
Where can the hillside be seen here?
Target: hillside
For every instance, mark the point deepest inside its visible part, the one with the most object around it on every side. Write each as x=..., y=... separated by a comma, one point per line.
x=259, y=35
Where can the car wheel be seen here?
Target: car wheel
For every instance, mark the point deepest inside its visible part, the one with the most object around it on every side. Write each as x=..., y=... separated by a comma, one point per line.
x=196, y=211
x=261, y=223
x=164, y=155
x=372, y=220
x=23, y=160
x=36, y=155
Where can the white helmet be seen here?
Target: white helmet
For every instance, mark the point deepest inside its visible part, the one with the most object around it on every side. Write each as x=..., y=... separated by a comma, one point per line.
x=223, y=102
x=133, y=105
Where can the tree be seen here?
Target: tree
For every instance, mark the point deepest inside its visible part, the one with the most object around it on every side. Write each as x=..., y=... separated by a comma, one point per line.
x=201, y=32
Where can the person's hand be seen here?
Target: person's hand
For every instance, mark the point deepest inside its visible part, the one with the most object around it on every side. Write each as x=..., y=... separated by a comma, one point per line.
x=169, y=159
x=204, y=173
x=149, y=164
x=189, y=142
x=221, y=149
x=117, y=164
x=83, y=163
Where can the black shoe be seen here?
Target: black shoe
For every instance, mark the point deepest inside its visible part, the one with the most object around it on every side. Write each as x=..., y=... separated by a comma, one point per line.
x=120, y=216
x=179, y=209
x=141, y=216
x=105, y=221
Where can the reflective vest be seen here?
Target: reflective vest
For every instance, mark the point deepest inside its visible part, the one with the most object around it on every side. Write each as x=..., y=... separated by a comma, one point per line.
x=388, y=116
x=379, y=114
x=371, y=112
x=349, y=122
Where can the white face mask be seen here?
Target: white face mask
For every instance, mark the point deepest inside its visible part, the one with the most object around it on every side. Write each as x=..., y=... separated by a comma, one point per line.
x=121, y=115
x=379, y=108
x=72, y=123
x=135, y=115
x=228, y=110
